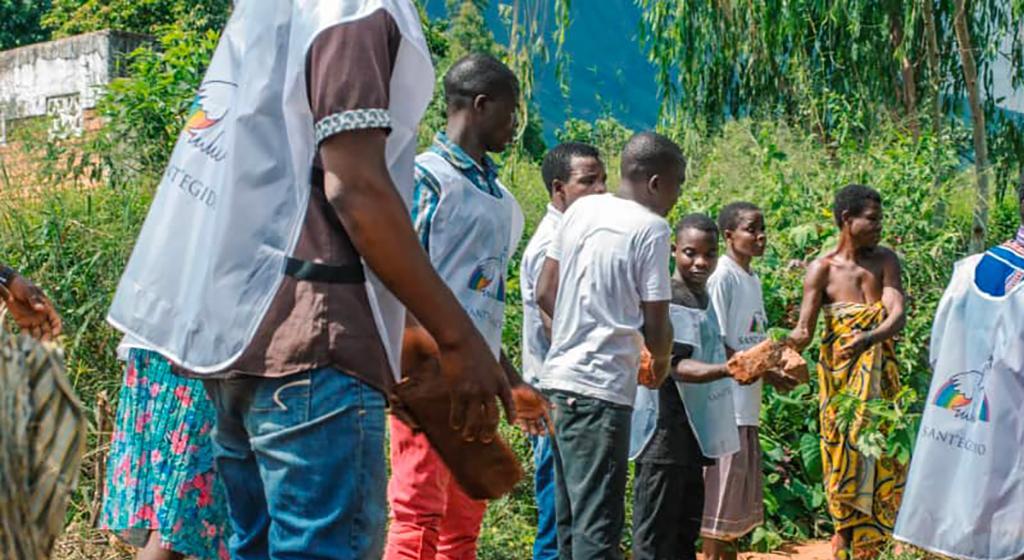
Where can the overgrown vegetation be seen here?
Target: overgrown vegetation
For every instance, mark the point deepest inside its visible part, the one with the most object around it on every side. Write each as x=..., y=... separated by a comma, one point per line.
x=76, y=241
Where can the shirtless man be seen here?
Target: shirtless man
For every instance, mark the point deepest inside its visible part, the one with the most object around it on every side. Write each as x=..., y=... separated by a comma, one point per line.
x=858, y=285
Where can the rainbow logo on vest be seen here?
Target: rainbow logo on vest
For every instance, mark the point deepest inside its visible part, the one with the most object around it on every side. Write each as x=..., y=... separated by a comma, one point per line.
x=488, y=280
x=964, y=394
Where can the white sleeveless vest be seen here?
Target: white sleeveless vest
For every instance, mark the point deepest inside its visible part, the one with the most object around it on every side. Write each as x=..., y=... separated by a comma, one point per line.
x=965, y=490
x=710, y=408
x=473, y=236
x=228, y=212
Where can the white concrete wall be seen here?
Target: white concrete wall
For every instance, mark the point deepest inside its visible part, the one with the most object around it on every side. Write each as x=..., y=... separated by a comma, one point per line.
x=76, y=66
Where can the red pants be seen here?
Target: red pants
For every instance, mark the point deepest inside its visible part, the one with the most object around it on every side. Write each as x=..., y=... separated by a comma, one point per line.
x=431, y=517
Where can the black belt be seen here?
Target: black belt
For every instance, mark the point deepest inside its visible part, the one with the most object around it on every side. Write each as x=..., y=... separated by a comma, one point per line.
x=324, y=273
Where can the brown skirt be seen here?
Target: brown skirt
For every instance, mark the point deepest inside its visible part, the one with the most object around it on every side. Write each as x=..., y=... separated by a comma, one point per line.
x=733, y=491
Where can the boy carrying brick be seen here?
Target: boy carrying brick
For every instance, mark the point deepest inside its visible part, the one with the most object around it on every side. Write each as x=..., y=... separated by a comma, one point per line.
x=680, y=428
x=734, y=488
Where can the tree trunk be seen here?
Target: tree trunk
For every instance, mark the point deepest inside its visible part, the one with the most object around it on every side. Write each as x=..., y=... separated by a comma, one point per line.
x=1020, y=190
x=963, y=38
x=932, y=42
x=908, y=93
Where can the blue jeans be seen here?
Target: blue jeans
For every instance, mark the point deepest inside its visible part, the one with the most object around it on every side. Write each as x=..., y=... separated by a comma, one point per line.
x=302, y=460
x=545, y=546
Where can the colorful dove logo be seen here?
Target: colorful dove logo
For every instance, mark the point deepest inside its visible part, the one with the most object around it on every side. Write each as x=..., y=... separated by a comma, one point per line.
x=964, y=394
x=211, y=104
x=488, y=280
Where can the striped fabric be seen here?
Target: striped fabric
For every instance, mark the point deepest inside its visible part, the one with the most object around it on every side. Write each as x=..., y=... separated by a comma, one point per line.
x=425, y=198
x=1016, y=247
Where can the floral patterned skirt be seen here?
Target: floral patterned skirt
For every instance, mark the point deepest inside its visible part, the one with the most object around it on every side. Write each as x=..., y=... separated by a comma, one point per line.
x=160, y=473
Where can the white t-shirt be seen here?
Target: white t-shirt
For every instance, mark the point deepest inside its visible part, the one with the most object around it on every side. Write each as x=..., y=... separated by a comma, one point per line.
x=613, y=255
x=535, y=340
x=739, y=304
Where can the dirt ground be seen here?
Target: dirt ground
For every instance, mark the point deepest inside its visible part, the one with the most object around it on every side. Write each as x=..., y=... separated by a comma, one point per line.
x=815, y=550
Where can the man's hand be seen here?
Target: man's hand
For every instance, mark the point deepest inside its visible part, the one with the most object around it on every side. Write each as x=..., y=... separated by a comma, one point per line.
x=855, y=346
x=31, y=309
x=472, y=388
x=474, y=378
x=781, y=382
x=533, y=411
x=645, y=376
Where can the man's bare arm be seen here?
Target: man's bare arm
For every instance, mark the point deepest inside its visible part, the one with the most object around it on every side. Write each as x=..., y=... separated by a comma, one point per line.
x=358, y=185
x=658, y=337
x=693, y=371
x=511, y=373
x=547, y=293
x=893, y=300
x=815, y=282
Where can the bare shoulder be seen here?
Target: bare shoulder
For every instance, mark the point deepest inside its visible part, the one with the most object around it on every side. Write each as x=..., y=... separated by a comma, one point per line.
x=818, y=271
x=887, y=256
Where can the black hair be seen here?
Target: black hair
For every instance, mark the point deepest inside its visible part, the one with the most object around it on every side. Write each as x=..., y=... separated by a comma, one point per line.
x=853, y=199
x=729, y=216
x=478, y=74
x=558, y=162
x=647, y=154
x=697, y=221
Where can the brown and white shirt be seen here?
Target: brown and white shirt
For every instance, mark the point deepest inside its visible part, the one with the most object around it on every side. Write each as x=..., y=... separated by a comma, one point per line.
x=314, y=324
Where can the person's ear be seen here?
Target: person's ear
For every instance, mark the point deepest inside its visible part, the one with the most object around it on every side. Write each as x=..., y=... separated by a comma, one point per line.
x=654, y=183
x=558, y=189
x=479, y=102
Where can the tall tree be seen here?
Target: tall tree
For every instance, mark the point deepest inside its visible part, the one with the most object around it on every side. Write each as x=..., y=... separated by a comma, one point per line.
x=70, y=17
x=963, y=37
x=839, y=67
x=934, y=76
x=19, y=24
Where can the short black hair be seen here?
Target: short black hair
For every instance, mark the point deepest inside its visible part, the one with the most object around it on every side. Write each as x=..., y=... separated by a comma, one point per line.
x=478, y=74
x=729, y=216
x=698, y=221
x=854, y=199
x=647, y=154
x=558, y=162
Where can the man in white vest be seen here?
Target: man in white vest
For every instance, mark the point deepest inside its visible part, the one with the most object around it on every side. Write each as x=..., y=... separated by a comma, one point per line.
x=965, y=491
x=276, y=260
x=470, y=226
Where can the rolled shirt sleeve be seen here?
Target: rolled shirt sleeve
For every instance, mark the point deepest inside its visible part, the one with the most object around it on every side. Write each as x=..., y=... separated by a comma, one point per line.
x=348, y=72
